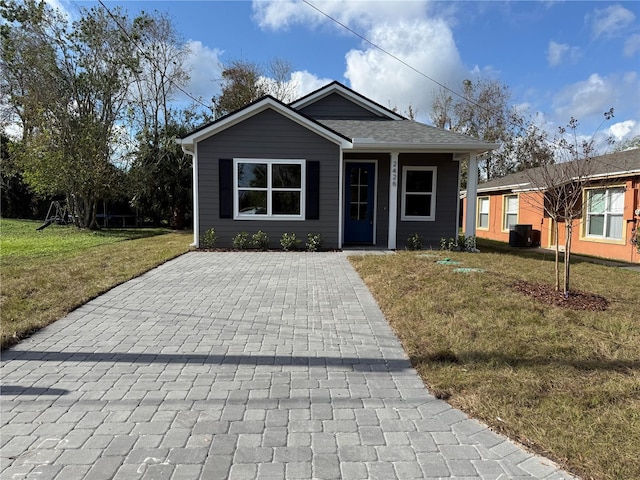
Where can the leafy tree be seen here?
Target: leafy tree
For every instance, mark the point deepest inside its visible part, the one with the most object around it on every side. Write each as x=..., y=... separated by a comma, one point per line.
x=243, y=82
x=86, y=69
x=484, y=111
x=160, y=175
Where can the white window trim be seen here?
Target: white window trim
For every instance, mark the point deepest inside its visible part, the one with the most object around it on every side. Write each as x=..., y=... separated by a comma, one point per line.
x=269, y=189
x=411, y=218
x=505, y=212
x=606, y=214
x=479, y=212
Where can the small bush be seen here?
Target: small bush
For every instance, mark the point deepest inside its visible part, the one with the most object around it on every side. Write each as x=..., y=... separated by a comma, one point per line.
x=462, y=243
x=314, y=242
x=241, y=241
x=414, y=242
x=260, y=240
x=208, y=239
x=289, y=242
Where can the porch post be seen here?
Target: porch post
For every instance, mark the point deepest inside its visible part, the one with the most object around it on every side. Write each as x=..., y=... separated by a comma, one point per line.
x=472, y=193
x=393, y=201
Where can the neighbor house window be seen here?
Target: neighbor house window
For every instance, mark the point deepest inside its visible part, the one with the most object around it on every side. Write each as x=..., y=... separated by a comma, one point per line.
x=269, y=189
x=510, y=217
x=605, y=208
x=418, y=193
x=483, y=212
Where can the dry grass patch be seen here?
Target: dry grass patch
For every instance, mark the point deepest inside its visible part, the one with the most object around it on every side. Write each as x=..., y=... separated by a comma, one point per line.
x=564, y=382
x=47, y=274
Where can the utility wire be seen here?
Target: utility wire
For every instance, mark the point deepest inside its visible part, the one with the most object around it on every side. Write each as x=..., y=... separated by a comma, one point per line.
x=421, y=73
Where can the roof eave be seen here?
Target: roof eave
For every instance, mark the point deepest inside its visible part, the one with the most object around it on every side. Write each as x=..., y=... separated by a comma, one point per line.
x=424, y=147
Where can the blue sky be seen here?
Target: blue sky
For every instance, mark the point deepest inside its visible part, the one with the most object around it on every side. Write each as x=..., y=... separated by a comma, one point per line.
x=560, y=59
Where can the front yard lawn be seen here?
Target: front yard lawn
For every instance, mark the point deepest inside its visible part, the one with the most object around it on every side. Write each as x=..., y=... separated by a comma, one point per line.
x=46, y=274
x=563, y=382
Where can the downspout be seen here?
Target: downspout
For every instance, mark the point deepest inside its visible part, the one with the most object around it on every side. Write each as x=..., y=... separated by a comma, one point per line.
x=194, y=188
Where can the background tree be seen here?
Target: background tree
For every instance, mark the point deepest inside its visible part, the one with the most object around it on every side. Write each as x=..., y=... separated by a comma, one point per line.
x=484, y=111
x=243, y=82
x=67, y=142
x=160, y=175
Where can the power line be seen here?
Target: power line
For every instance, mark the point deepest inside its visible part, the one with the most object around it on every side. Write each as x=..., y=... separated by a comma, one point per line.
x=421, y=73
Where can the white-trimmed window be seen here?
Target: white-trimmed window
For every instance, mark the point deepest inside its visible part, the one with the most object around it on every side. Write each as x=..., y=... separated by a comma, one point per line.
x=510, y=209
x=268, y=189
x=483, y=213
x=605, y=209
x=418, y=193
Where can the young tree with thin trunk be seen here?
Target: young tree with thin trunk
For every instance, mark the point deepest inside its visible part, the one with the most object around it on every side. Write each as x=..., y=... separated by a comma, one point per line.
x=562, y=185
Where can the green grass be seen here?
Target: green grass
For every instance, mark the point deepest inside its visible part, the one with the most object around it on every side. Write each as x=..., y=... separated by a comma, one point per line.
x=564, y=383
x=47, y=274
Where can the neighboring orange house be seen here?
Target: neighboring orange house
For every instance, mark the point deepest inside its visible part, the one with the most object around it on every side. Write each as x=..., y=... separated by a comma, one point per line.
x=510, y=209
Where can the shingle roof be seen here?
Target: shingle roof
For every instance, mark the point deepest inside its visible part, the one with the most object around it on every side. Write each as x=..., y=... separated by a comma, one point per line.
x=618, y=164
x=406, y=133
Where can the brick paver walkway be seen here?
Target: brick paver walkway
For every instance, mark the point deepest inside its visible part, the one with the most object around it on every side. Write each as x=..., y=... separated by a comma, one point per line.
x=242, y=366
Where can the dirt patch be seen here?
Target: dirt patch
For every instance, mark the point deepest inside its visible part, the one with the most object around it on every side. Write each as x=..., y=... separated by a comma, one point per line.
x=576, y=300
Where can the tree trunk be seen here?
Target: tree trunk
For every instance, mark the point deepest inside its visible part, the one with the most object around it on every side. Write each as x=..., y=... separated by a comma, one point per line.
x=567, y=255
x=93, y=215
x=556, y=228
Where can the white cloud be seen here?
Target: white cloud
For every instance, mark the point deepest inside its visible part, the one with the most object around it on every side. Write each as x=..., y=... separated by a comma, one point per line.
x=281, y=14
x=632, y=45
x=586, y=98
x=204, y=67
x=558, y=53
x=610, y=21
x=403, y=29
x=625, y=130
x=426, y=45
x=306, y=82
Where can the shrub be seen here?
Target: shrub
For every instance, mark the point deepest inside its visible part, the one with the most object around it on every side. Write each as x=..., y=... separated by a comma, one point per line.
x=314, y=242
x=241, y=241
x=414, y=242
x=260, y=240
x=289, y=242
x=462, y=243
x=208, y=239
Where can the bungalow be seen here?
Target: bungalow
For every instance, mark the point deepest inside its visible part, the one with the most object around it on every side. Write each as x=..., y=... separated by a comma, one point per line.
x=608, y=227
x=333, y=163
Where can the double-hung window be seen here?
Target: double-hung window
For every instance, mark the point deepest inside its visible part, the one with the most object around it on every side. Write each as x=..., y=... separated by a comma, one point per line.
x=269, y=189
x=418, y=193
x=510, y=217
x=605, y=208
x=483, y=212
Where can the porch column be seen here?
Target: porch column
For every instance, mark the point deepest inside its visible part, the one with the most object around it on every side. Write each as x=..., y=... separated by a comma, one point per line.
x=393, y=200
x=472, y=193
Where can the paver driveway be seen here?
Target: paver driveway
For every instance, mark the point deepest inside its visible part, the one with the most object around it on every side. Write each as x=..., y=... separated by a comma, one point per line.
x=236, y=365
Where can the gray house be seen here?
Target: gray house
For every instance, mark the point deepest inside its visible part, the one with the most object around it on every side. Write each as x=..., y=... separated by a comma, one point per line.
x=333, y=162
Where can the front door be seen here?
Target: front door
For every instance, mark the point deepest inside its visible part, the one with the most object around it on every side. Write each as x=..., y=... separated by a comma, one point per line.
x=359, y=202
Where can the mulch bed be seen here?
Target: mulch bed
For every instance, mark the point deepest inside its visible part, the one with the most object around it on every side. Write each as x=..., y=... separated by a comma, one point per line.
x=575, y=301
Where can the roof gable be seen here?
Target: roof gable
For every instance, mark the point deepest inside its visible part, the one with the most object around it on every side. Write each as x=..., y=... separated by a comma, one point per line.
x=254, y=108
x=367, y=107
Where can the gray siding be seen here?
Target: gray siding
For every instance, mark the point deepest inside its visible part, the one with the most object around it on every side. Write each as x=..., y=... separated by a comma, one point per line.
x=445, y=224
x=337, y=106
x=269, y=135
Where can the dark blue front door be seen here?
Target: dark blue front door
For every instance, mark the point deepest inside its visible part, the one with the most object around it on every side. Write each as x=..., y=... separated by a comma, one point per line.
x=358, y=215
